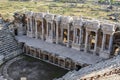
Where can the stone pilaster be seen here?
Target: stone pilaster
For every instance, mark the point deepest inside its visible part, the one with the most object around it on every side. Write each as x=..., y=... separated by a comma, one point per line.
x=28, y=27
x=103, y=42
x=86, y=42
x=80, y=39
x=57, y=33
x=62, y=35
x=31, y=27
x=36, y=31
x=74, y=35
x=42, y=30
x=47, y=28
x=95, y=46
x=51, y=32
x=68, y=37
x=110, y=43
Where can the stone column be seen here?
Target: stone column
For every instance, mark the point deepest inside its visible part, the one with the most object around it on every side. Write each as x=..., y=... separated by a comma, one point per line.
x=74, y=35
x=51, y=32
x=42, y=30
x=86, y=41
x=35, y=52
x=27, y=26
x=80, y=39
x=57, y=33
x=36, y=31
x=62, y=35
x=68, y=37
x=39, y=53
x=95, y=46
x=110, y=43
x=103, y=42
x=47, y=28
x=31, y=27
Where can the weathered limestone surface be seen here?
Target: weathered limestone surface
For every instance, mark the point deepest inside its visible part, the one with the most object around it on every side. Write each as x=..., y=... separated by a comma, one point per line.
x=90, y=40
x=77, y=56
x=91, y=36
x=102, y=69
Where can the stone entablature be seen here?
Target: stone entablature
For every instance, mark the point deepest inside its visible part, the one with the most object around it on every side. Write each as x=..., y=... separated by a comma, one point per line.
x=66, y=20
x=57, y=18
x=78, y=23
x=29, y=14
x=108, y=28
x=92, y=25
x=39, y=16
x=49, y=17
x=90, y=36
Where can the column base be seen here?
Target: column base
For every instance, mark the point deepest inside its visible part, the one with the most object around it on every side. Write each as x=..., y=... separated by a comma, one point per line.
x=68, y=45
x=29, y=34
x=104, y=54
x=76, y=46
x=48, y=39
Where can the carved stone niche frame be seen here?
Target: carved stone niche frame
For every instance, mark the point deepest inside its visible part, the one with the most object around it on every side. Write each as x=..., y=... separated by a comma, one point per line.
x=77, y=23
x=39, y=16
x=49, y=18
x=92, y=25
x=108, y=28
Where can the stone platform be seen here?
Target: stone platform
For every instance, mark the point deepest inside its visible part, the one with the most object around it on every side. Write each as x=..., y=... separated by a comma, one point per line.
x=75, y=55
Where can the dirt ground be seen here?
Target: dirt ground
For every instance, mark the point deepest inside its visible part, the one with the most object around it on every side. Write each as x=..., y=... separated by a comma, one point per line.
x=34, y=69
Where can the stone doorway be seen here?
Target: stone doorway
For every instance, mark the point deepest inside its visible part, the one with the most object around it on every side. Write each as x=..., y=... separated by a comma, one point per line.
x=92, y=41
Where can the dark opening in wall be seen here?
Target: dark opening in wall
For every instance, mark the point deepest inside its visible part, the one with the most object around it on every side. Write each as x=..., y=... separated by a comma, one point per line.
x=78, y=67
x=46, y=57
x=16, y=32
x=56, y=61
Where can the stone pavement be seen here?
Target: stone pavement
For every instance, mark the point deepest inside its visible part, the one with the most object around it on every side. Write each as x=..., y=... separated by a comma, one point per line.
x=75, y=55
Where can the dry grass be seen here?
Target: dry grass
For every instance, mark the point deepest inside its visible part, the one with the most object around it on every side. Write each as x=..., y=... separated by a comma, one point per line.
x=7, y=8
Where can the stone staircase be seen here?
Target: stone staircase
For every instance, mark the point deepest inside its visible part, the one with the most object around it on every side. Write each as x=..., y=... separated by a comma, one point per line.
x=8, y=44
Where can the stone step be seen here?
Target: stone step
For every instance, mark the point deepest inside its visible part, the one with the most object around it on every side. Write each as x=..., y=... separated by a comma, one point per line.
x=8, y=42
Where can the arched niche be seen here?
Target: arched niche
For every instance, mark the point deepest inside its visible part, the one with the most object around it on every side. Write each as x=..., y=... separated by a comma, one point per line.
x=39, y=29
x=91, y=40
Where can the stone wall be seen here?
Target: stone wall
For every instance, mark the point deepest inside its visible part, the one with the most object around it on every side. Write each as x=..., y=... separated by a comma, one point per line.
x=90, y=36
